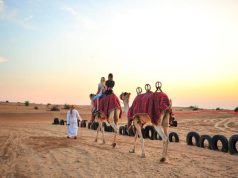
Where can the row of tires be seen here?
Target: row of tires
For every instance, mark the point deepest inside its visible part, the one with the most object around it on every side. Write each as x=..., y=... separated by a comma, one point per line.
x=58, y=121
x=147, y=132
x=95, y=125
x=193, y=138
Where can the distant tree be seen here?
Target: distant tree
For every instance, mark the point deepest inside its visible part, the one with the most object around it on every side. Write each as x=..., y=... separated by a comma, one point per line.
x=7, y=101
x=27, y=103
x=194, y=108
x=236, y=109
x=55, y=108
x=218, y=109
x=36, y=108
x=66, y=106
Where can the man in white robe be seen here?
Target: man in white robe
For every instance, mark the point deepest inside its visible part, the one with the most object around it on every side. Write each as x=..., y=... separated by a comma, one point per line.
x=72, y=122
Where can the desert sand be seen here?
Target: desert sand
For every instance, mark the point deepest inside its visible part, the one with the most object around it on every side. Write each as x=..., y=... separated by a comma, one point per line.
x=30, y=146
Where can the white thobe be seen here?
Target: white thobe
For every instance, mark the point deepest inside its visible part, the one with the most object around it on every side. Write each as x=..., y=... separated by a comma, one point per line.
x=72, y=122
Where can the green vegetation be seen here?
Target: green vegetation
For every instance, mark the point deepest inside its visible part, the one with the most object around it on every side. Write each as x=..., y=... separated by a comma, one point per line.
x=66, y=106
x=27, y=103
x=236, y=109
x=55, y=108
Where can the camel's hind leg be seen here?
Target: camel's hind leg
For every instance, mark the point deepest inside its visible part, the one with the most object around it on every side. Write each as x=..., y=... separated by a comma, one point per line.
x=102, y=130
x=99, y=126
x=162, y=130
x=138, y=130
x=132, y=150
x=113, y=119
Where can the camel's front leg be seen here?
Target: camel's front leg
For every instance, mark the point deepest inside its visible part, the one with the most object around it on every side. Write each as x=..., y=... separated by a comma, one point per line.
x=132, y=150
x=138, y=129
x=99, y=125
x=162, y=130
x=113, y=122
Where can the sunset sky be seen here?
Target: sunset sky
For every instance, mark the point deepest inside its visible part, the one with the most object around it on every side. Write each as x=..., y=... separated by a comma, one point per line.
x=56, y=51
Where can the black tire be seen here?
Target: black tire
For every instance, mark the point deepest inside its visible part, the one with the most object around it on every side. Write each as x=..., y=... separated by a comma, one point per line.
x=110, y=129
x=123, y=130
x=89, y=125
x=202, y=140
x=96, y=124
x=150, y=132
x=83, y=123
x=175, y=135
x=157, y=136
x=232, y=144
x=143, y=133
x=131, y=131
x=56, y=121
x=223, y=140
x=175, y=123
x=126, y=130
x=62, y=122
x=120, y=130
x=190, y=137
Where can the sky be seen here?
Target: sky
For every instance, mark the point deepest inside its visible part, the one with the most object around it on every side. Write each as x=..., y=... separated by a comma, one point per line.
x=56, y=51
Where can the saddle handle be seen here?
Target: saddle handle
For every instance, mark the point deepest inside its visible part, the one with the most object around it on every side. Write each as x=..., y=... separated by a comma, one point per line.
x=147, y=87
x=158, y=86
x=138, y=90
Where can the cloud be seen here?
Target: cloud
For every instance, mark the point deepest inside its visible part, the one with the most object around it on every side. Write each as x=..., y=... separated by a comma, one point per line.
x=12, y=15
x=29, y=18
x=2, y=59
x=1, y=5
x=70, y=10
x=82, y=20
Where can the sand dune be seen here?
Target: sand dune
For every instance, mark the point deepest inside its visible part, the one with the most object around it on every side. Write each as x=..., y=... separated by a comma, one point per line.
x=30, y=146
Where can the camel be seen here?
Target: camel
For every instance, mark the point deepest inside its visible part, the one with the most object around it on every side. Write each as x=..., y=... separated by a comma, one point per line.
x=125, y=99
x=140, y=119
x=112, y=118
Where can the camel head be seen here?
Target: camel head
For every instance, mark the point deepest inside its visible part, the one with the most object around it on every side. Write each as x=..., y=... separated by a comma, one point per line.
x=91, y=96
x=125, y=97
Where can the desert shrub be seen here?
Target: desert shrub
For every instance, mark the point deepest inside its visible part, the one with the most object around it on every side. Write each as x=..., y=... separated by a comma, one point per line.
x=66, y=106
x=55, y=108
x=36, y=108
x=27, y=103
x=236, y=109
x=218, y=109
x=194, y=108
x=7, y=101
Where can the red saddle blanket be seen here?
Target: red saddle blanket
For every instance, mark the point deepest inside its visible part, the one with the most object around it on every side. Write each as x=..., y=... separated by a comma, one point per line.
x=139, y=105
x=108, y=103
x=150, y=103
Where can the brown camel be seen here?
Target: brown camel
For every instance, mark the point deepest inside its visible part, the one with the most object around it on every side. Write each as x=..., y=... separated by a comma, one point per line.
x=140, y=119
x=111, y=119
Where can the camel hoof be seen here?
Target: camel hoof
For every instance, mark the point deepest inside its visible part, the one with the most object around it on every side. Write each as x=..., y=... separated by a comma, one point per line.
x=131, y=151
x=114, y=145
x=95, y=140
x=142, y=156
x=103, y=142
x=162, y=160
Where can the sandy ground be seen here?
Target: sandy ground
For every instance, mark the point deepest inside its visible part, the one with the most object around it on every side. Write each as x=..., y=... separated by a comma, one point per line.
x=30, y=146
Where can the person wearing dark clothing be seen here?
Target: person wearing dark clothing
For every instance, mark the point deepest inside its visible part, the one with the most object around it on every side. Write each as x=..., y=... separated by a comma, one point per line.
x=109, y=84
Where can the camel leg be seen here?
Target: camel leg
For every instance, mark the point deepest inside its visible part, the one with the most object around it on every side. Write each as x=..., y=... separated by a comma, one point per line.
x=99, y=125
x=165, y=125
x=113, y=123
x=138, y=128
x=132, y=150
x=102, y=130
x=163, y=135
